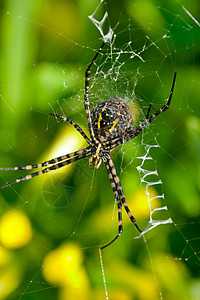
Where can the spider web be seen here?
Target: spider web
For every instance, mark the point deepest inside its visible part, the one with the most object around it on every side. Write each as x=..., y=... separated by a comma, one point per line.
x=72, y=212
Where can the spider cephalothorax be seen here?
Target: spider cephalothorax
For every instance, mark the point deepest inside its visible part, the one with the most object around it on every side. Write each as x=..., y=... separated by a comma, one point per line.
x=110, y=124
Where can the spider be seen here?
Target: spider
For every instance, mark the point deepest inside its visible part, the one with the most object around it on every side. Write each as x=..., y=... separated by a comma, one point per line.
x=110, y=124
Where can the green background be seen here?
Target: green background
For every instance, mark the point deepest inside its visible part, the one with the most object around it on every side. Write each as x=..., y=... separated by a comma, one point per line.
x=45, y=48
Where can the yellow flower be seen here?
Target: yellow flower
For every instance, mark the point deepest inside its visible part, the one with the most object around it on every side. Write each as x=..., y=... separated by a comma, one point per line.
x=15, y=229
x=63, y=266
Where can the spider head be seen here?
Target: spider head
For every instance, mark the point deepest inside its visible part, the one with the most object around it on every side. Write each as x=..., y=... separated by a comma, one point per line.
x=95, y=157
x=98, y=156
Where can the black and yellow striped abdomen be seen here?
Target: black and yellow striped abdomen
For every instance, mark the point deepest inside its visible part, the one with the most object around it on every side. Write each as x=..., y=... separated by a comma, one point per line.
x=110, y=119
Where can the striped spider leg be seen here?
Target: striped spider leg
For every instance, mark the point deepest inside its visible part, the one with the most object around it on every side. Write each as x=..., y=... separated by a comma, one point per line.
x=79, y=129
x=119, y=196
x=53, y=164
x=86, y=96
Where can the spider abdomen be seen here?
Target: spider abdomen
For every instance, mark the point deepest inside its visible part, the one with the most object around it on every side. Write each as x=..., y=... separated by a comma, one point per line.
x=111, y=118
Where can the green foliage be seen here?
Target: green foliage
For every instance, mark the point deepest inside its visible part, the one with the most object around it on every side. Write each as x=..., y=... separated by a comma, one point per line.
x=45, y=48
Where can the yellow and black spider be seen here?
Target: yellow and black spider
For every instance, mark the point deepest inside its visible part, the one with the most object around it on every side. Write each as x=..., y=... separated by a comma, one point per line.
x=110, y=124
